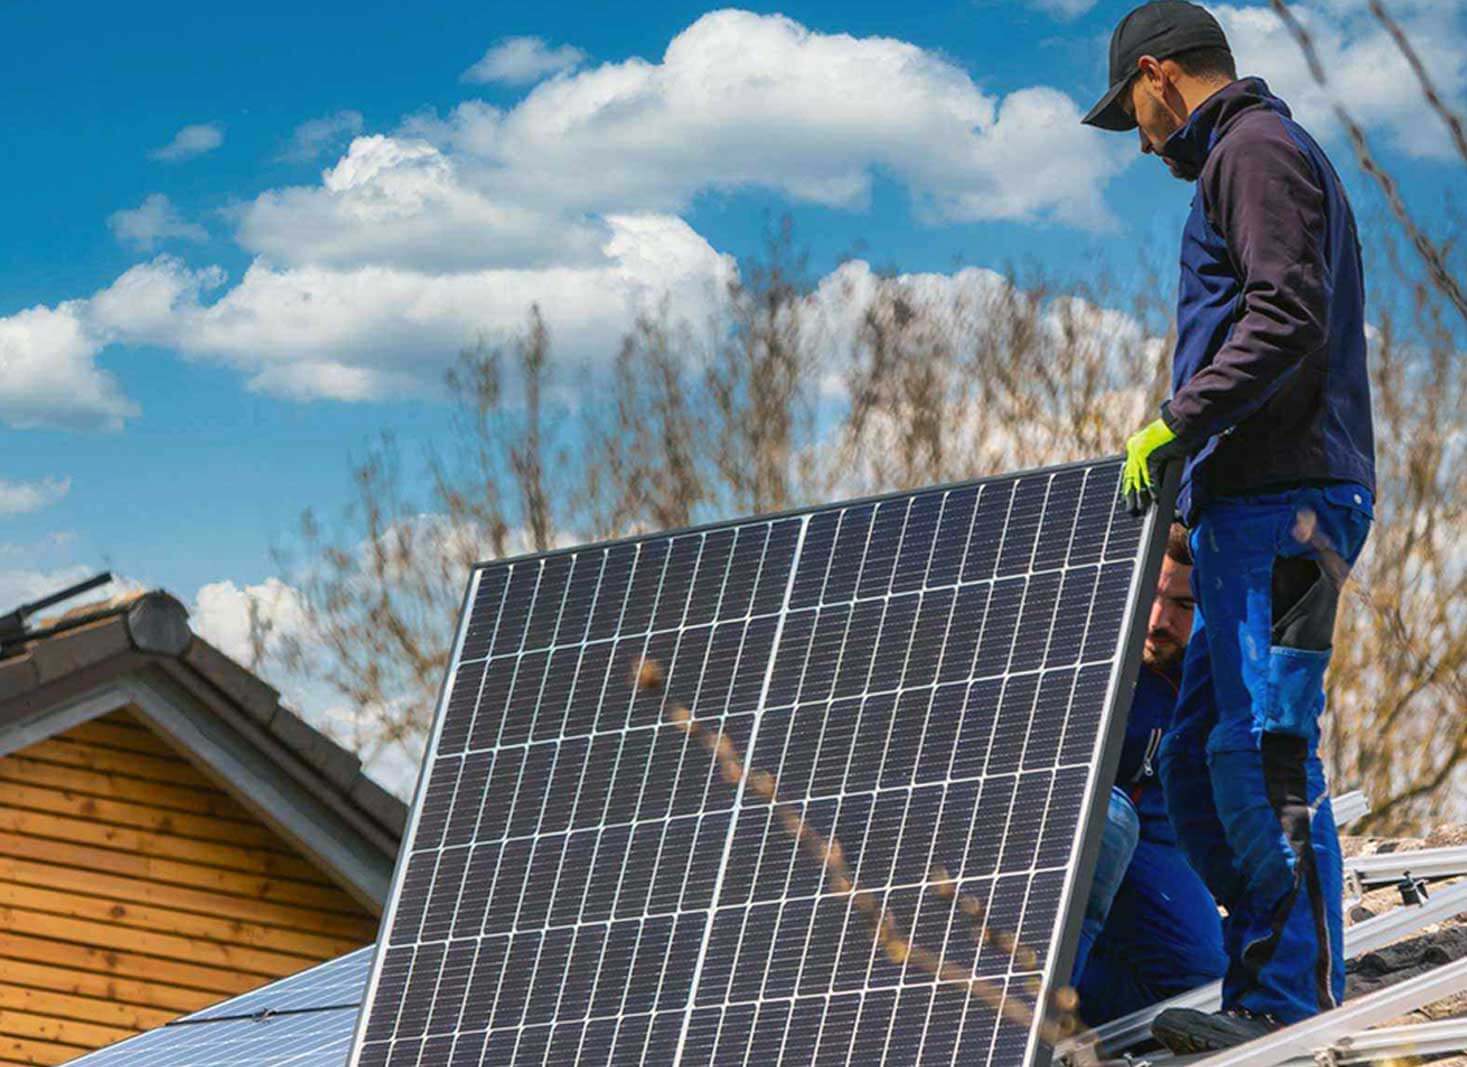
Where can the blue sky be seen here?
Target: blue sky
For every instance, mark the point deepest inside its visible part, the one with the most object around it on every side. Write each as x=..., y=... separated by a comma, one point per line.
x=198, y=330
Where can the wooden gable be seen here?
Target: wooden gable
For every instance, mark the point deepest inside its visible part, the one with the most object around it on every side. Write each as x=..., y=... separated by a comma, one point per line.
x=134, y=889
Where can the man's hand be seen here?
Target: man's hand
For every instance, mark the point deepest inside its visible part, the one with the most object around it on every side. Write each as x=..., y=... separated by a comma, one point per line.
x=1147, y=453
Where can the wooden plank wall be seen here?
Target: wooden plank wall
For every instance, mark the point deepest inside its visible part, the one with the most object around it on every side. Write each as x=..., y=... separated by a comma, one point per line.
x=132, y=890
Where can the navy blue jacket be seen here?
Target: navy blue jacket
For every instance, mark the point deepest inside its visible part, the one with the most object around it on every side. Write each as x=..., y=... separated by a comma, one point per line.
x=1150, y=716
x=1269, y=380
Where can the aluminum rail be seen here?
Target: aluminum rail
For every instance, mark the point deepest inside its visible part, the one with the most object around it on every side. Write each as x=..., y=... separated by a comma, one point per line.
x=1120, y=1034
x=1386, y=868
x=1348, y=807
x=1323, y=1030
x=1393, y=1043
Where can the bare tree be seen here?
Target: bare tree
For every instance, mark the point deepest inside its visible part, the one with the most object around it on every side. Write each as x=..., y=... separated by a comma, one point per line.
x=792, y=394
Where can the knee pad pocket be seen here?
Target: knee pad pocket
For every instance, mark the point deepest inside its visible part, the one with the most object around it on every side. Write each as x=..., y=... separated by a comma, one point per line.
x=1305, y=602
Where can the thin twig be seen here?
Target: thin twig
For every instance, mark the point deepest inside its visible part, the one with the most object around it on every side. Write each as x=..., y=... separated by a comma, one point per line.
x=1428, y=87
x=1429, y=253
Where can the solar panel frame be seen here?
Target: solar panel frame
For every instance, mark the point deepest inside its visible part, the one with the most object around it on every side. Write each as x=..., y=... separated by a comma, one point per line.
x=1105, y=754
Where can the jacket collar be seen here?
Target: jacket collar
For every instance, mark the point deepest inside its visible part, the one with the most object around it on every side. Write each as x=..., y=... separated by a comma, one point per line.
x=1209, y=120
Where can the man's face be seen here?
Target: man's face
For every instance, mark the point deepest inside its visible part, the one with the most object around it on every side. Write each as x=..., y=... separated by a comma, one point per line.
x=1171, y=617
x=1152, y=100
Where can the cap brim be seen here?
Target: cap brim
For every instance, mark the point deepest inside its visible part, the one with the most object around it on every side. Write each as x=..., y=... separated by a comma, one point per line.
x=1109, y=114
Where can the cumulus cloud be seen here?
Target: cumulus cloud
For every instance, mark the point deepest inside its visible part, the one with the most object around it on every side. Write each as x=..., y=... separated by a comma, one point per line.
x=1365, y=69
x=189, y=142
x=353, y=334
x=23, y=585
x=522, y=61
x=228, y=616
x=49, y=375
x=1063, y=9
x=22, y=498
x=315, y=137
x=401, y=202
x=150, y=223
x=413, y=244
x=740, y=100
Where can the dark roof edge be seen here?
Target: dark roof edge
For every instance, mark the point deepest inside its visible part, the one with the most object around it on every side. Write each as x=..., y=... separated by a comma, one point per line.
x=155, y=624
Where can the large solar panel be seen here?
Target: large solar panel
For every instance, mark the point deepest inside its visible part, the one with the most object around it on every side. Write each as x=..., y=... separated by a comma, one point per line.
x=302, y=1021
x=800, y=789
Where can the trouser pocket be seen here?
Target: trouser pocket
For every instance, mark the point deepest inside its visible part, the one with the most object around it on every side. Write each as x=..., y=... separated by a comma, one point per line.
x=1305, y=602
x=1295, y=691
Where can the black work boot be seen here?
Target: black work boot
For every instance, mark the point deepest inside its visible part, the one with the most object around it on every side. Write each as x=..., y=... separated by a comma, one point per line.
x=1186, y=1030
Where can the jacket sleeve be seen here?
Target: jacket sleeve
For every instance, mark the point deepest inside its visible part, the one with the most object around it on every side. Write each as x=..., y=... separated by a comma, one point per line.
x=1264, y=198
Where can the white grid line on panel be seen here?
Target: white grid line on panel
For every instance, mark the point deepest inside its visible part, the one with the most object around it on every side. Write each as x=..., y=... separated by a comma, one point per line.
x=1029, y=719
x=921, y=743
x=820, y=741
x=769, y=534
x=921, y=595
x=646, y=772
x=656, y=604
x=739, y=794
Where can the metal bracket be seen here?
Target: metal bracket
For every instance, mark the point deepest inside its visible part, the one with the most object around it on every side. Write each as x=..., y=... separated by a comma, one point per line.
x=1131, y=1030
x=1323, y=1031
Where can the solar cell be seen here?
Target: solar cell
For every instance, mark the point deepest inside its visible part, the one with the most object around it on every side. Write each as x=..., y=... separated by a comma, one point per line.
x=807, y=788
x=302, y=1021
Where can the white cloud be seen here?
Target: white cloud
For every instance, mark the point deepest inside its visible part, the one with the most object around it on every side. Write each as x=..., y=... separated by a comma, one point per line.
x=366, y=332
x=22, y=585
x=48, y=372
x=189, y=142
x=1365, y=69
x=224, y=614
x=1063, y=9
x=151, y=222
x=315, y=137
x=522, y=61
x=22, y=498
x=400, y=202
x=740, y=100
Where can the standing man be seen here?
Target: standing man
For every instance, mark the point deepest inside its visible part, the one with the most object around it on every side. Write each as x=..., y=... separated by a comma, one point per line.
x=1270, y=409
x=1151, y=928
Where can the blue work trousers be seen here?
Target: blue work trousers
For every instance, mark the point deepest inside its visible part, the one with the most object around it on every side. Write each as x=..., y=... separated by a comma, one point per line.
x=1245, y=789
x=1117, y=845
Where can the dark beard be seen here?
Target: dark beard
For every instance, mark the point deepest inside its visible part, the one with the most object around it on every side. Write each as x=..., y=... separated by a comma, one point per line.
x=1165, y=658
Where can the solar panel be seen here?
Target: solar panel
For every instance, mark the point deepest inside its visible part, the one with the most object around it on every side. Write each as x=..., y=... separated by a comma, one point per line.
x=805, y=788
x=302, y=1021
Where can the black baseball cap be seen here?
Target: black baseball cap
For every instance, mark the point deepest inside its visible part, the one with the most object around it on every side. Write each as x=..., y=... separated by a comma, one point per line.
x=1162, y=29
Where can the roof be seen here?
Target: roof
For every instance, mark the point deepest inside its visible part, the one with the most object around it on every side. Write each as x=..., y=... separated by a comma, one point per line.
x=1434, y=946
x=137, y=650
x=307, y=1018
x=320, y=1006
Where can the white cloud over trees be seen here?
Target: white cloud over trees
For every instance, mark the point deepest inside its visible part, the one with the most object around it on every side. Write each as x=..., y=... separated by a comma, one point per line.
x=418, y=240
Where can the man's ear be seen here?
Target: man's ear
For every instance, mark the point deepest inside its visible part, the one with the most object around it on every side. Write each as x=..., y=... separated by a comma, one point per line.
x=1151, y=74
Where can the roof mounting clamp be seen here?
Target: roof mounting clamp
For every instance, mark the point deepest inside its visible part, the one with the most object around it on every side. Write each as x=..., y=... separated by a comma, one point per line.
x=1412, y=890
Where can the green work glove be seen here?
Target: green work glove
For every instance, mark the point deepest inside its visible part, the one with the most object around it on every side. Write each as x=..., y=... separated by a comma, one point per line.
x=1148, y=451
